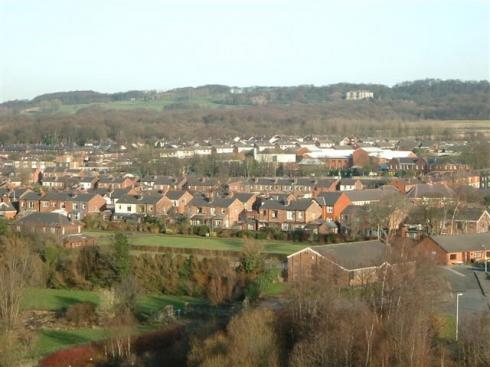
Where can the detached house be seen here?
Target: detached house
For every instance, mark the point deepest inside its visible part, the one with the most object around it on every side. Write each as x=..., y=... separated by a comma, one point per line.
x=353, y=263
x=448, y=250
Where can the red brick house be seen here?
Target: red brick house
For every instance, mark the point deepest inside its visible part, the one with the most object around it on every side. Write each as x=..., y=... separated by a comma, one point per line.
x=408, y=164
x=448, y=250
x=217, y=213
x=179, y=200
x=247, y=199
x=51, y=223
x=333, y=204
x=29, y=201
x=296, y=214
x=7, y=211
x=354, y=263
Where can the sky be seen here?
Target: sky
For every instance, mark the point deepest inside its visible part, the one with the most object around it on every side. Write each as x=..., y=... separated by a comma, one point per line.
x=119, y=45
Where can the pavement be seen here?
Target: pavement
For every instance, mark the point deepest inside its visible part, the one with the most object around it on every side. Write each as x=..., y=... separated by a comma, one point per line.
x=462, y=279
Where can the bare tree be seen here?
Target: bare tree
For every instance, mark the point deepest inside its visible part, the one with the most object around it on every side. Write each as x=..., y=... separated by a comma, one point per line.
x=15, y=270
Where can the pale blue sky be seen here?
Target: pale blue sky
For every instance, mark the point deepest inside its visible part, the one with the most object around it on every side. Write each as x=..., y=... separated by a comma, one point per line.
x=118, y=45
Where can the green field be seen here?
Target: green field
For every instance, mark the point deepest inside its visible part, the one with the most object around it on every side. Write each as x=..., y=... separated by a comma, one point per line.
x=43, y=299
x=195, y=242
x=50, y=340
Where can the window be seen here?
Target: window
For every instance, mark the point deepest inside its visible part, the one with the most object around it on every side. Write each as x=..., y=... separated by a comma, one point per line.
x=299, y=215
x=329, y=209
x=128, y=208
x=289, y=215
x=274, y=214
x=452, y=257
x=212, y=211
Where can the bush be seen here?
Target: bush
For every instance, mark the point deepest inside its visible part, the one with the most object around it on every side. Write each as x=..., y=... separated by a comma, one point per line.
x=81, y=314
x=200, y=230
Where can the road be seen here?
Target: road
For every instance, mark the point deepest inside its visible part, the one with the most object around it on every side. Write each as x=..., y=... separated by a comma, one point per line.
x=461, y=279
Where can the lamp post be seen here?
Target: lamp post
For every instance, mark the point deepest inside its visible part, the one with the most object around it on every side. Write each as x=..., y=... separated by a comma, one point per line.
x=457, y=314
x=485, y=256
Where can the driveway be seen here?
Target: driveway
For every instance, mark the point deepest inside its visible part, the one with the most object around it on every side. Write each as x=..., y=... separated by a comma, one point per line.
x=461, y=279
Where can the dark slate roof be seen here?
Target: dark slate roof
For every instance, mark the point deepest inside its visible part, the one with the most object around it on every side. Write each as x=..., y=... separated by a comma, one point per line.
x=83, y=197
x=243, y=196
x=469, y=214
x=44, y=218
x=328, y=198
x=301, y=204
x=464, y=242
x=273, y=204
x=30, y=195
x=56, y=196
x=144, y=199
x=6, y=207
x=175, y=194
x=371, y=194
x=165, y=181
x=430, y=191
x=355, y=255
x=326, y=182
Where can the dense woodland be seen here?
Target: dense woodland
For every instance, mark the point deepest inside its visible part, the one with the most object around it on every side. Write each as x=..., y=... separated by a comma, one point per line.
x=212, y=111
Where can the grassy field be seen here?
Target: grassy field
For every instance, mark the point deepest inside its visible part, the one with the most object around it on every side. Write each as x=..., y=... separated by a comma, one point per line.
x=195, y=242
x=43, y=299
x=50, y=340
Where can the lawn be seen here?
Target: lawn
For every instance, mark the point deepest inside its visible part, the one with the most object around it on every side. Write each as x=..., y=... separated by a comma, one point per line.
x=195, y=242
x=50, y=340
x=43, y=299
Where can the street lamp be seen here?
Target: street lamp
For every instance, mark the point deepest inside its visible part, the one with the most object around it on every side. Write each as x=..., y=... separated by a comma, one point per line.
x=485, y=256
x=457, y=313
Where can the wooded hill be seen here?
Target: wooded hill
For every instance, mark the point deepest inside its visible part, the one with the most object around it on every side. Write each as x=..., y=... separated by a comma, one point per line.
x=219, y=111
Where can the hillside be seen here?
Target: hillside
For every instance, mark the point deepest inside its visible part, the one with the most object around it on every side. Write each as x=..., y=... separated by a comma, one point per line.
x=434, y=99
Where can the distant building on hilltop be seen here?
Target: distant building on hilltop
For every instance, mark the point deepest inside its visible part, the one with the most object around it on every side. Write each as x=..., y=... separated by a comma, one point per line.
x=354, y=95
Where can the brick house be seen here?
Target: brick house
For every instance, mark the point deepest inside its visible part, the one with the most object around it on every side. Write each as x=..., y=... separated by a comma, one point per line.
x=354, y=263
x=296, y=214
x=408, y=164
x=448, y=250
x=469, y=220
x=178, y=199
x=152, y=205
x=333, y=204
x=114, y=183
x=247, y=199
x=217, y=213
x=7, y=211
x=29, y=201
x=207, y=186
x=325, y=185
x=349, y=184
x=81, y=205
x=52, y=223
x=54, y=200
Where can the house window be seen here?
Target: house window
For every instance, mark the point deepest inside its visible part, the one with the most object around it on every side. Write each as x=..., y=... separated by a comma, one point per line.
x=274, y=214
x=212, y=211
x=330, y=209
x=299, y=215
x=289, y=215
x=128, y=208
x=452, y=257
